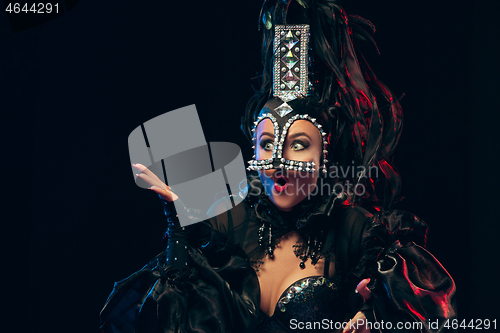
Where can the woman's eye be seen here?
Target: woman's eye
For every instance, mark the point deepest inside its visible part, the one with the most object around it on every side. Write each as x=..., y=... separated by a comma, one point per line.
x=298, y=146
x=267, y=145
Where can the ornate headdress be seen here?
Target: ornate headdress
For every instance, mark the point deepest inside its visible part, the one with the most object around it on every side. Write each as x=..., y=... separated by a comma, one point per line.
x=290, y=82
x=312, y=72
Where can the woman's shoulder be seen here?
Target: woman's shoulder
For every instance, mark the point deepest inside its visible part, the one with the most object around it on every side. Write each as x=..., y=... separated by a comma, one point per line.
x=352, y=221
x=395, y=222
x=354, y=214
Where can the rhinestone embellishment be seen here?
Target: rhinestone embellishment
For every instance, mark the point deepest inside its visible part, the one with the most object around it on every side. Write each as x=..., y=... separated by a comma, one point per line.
x=303, y=289
x=291, y=44
x=283, y=110
x=290, y=40
x=304, y=166
x=267, y=163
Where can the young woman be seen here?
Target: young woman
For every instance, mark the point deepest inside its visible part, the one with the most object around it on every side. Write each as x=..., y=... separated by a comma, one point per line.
x=314, y=246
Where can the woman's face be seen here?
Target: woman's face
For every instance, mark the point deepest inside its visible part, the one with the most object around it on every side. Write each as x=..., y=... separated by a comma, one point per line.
x=286, y=188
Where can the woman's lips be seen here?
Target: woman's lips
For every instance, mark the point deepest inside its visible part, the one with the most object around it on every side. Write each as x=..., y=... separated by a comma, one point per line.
x=280, y=183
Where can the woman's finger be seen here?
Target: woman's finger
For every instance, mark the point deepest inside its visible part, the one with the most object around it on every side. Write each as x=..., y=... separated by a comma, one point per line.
x=151, y=181
x=155, y=183
x=363, y=289
x=148, y=172
x=166, y=194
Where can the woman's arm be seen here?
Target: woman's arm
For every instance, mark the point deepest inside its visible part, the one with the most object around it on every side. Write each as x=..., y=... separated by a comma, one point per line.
x=201, y=282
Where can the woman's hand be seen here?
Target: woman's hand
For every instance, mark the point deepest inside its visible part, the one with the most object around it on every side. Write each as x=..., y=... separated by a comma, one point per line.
x=357, y=324
x=155, y=183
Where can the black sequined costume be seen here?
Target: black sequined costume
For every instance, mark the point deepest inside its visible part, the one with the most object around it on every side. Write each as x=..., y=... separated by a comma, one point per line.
x=218, y=290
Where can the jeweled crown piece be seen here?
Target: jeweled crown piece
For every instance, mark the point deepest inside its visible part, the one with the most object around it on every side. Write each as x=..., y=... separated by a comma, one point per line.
x=291, y=43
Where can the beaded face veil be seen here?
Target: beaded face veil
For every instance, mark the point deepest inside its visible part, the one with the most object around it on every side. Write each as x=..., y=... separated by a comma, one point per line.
x=291, y=84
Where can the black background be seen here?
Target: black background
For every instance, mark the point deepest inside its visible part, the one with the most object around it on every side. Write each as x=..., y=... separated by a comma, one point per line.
x=72, y=90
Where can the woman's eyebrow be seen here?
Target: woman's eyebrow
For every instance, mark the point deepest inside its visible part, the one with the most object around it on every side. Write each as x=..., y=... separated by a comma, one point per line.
x=295, y=135
x=266, y=133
